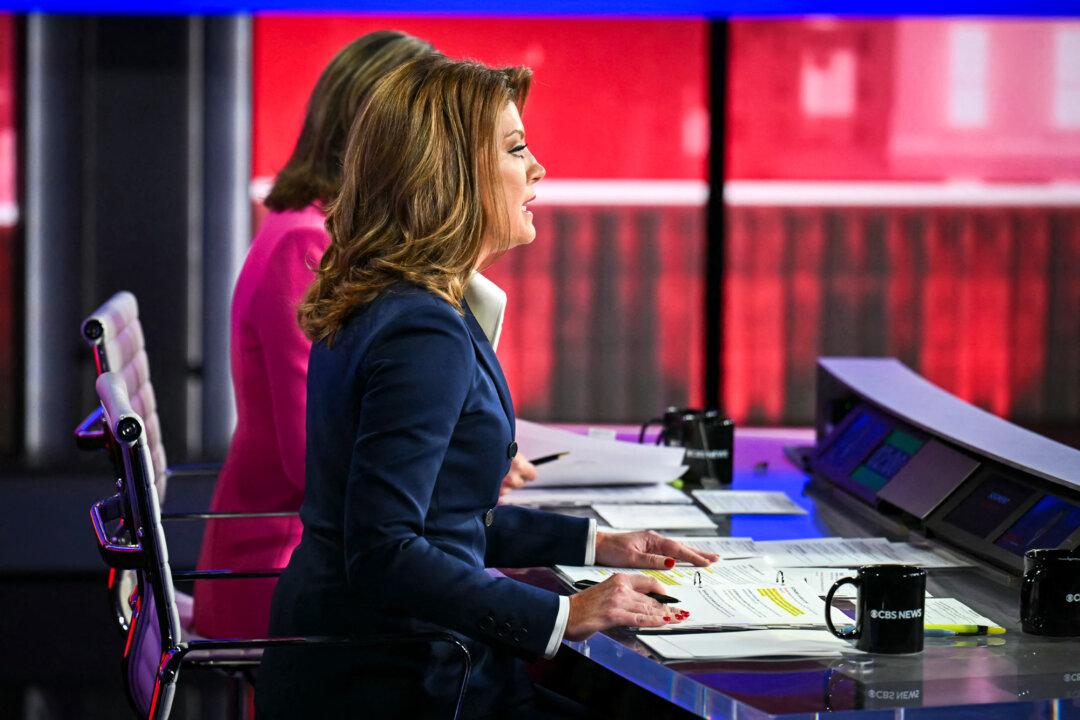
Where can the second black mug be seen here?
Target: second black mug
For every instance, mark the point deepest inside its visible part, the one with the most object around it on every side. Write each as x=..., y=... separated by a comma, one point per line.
x=1050, y=593
x=888, y=609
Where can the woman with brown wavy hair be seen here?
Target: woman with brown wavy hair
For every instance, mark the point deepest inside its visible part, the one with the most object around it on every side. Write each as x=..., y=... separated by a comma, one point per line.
x=264, y=469
x=411, y=427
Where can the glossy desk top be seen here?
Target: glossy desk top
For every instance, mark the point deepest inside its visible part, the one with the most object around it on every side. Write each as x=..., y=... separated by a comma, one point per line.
x=1008, y=676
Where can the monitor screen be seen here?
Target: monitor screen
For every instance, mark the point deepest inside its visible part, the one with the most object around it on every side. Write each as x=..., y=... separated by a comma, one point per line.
x=854, y=443
x=1046, y=525
x=993, y=500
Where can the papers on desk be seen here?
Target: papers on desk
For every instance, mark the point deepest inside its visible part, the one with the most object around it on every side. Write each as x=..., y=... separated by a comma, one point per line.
x=748, y=644
x=950, y=611
x=593, y=461
x=727, y=548
x=819, y=580
x=747, y=502
x=653, y=517
x=719, y=606
x=726, y=574
x=851, y=552
x=582, y=496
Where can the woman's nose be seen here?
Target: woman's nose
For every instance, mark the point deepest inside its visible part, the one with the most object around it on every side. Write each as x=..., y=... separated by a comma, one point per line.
x=536, y=172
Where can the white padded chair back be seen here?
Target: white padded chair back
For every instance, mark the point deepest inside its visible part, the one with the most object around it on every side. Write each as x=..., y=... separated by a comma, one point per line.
x=116, y=336
x=155, y=626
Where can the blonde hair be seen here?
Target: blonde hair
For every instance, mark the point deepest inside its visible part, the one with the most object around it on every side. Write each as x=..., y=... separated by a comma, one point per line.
x=419, y=191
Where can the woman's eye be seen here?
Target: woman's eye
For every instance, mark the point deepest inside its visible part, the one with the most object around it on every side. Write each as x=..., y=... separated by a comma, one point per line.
x=518, y=149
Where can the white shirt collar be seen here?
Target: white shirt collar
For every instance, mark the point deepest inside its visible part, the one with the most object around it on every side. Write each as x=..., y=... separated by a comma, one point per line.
x=488, y=304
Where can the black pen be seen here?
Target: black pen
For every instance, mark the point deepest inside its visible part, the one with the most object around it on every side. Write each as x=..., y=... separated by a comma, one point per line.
x=666, y=599
x=548, y=458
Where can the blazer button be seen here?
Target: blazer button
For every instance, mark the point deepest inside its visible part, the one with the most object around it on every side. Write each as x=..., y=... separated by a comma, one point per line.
x=487, y=623
x=520, y=635
x=511, y=451
x=504, y=630
x=489, y=517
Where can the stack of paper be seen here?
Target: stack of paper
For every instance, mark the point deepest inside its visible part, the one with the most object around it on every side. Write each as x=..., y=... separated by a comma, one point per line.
x=582, y=496
x=950, y=611
x=850, y=552
x=742, y=606
x=715, y=575
x=593, y=461
x=726, y=547
x=748, y=644
x=653, y=517
x=747, y=502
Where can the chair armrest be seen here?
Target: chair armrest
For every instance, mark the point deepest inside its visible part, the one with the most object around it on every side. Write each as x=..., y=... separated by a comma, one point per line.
x=226, y=515
x=90, y=434
x=114, y=554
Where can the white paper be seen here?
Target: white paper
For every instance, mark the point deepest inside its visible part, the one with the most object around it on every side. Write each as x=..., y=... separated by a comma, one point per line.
x=582, y=496
x=717, y=574
x=653, y=517
x=924, y=557
x=820, y=580
x=747, y=502
x=718, y=606
x=850, y=552
x=726, y=547
x=747, y=644
x=594, y=461
x=573, y=470
x=950, y=611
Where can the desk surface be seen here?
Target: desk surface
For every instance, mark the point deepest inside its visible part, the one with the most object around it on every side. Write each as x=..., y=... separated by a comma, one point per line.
x=1026, y=676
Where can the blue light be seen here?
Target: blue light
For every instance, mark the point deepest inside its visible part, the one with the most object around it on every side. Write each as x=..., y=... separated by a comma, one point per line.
x=613, y=8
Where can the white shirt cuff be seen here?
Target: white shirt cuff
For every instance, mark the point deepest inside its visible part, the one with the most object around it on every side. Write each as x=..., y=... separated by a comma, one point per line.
x=559, y=630
x=563, y=616
x=590, y=544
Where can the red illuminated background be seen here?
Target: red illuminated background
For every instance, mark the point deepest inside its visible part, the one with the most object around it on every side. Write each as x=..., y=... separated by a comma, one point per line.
x=894, y=187
x=853, y=226
x=906, y=188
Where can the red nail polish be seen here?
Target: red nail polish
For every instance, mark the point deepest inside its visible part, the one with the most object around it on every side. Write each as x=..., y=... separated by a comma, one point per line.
x=667, y=618
x=669, y=563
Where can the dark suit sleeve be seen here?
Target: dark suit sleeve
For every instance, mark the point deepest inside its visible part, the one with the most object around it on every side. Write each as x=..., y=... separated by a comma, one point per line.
x=523, y=537
x=417, y=372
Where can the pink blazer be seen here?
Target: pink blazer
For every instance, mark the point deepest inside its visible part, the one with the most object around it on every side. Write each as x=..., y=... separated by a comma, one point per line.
x=264, y=470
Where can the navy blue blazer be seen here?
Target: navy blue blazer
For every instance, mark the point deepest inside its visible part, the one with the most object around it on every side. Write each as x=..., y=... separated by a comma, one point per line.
x=410, y=430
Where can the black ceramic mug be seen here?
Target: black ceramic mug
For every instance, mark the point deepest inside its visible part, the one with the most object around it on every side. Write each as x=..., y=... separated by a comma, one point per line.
x=709, y=439
x=1050, y=593
x=888, y=609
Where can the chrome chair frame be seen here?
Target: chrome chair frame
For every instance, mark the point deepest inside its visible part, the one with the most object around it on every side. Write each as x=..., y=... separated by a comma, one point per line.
x=158, y=647
x=117, y=319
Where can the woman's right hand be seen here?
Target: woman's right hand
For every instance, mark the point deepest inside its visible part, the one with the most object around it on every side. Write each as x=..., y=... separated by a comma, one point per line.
x=617, y=602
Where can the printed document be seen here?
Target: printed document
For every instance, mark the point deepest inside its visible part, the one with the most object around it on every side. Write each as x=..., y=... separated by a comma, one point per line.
x=726, y=547
x=821, y=579
x=583, y=496
x=748, y=644
x=747, y=502
x=950, y=611
x=717, y=574
x=713, y=607
x=850, y=552
x=653, y=517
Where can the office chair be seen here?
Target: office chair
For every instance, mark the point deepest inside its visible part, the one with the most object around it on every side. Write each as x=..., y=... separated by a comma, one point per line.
x=155, y=651
x=117, y=343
